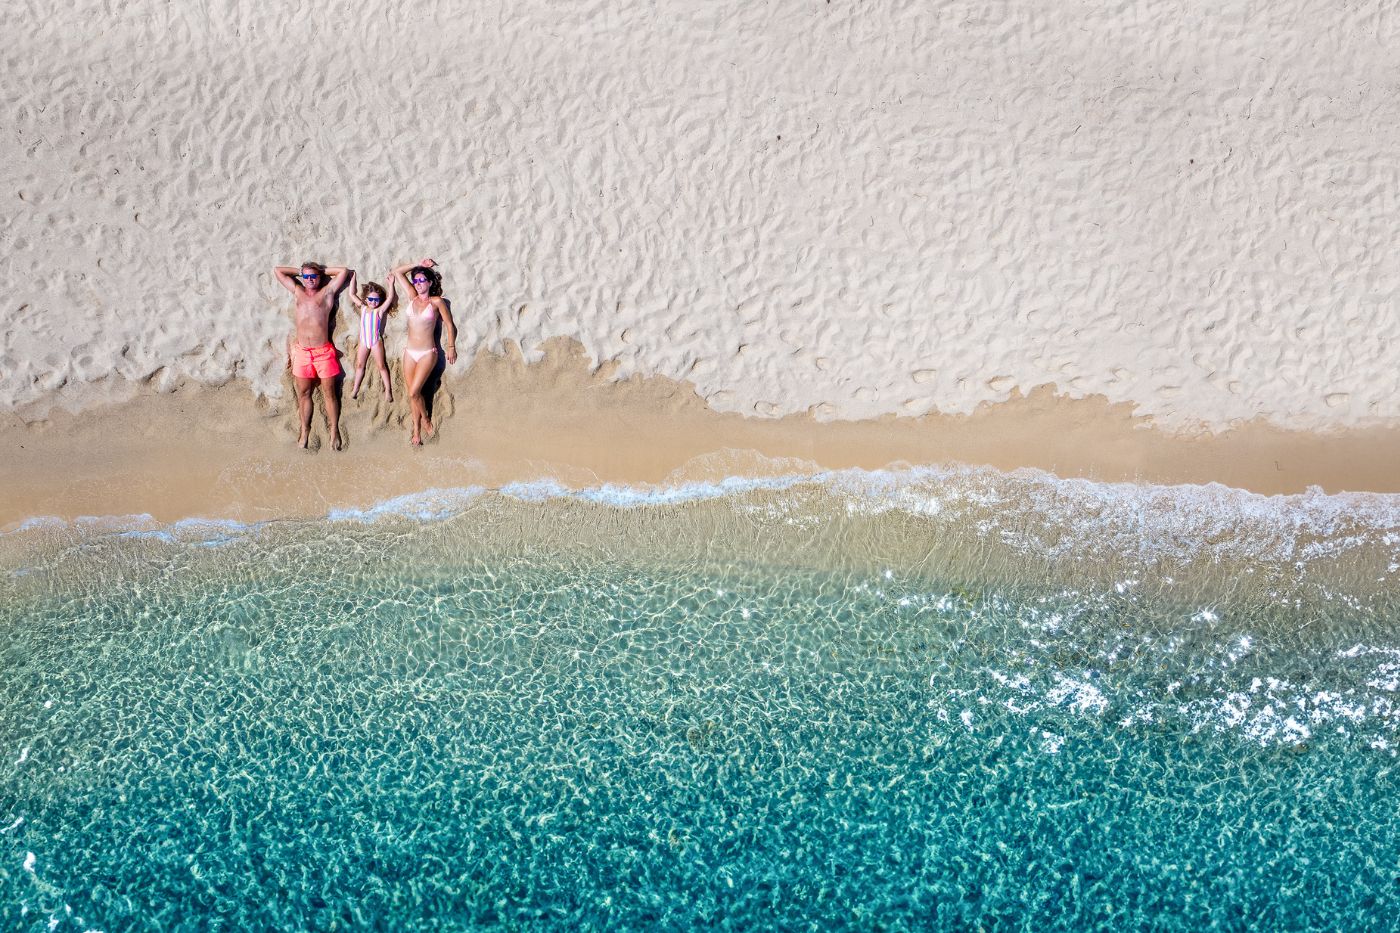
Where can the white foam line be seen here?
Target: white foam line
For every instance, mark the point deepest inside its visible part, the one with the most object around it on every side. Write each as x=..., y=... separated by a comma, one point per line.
x=624, y=496
x=1150, y=519
x=428, y=505
x=204, y=532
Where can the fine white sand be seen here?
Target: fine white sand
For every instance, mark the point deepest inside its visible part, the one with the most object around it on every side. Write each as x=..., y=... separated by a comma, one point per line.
x=846, y=208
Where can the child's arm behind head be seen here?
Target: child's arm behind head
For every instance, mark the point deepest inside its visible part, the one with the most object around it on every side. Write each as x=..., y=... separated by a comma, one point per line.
x=391, y=292
x=354, y=291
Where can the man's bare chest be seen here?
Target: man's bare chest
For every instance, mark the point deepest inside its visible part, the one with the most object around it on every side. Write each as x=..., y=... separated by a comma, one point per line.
x=312, y=310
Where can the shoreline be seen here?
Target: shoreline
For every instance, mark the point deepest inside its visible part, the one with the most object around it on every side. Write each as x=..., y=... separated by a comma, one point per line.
x=219, y=452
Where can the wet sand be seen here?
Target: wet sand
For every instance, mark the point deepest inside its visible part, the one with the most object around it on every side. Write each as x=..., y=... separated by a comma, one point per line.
x=223, y=453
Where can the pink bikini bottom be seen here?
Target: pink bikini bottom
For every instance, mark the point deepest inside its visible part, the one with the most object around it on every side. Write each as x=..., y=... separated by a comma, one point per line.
x=417, y=355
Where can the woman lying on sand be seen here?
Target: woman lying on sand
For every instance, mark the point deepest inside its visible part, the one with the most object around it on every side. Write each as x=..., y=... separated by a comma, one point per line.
x=425, y=308
x=375, y=305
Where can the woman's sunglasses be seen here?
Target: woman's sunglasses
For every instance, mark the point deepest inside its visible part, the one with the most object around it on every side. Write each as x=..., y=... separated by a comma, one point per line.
x=420, y=281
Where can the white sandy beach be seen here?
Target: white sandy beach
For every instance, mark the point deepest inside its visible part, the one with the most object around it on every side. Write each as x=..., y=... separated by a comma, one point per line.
x=1188, y=209
x=909, y=464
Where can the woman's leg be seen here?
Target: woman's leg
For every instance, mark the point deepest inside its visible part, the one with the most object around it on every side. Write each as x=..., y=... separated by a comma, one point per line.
x=408, y=368
x=415, y=396
x=422, y=369
x=383, y=362
x=361, y=355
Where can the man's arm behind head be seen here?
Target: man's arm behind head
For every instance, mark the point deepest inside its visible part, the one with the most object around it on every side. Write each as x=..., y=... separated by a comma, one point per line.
x=287, y=276
x=336, y=278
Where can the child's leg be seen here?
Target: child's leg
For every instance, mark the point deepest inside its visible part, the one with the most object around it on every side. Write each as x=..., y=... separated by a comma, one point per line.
x=384, y=370
x=361, y=355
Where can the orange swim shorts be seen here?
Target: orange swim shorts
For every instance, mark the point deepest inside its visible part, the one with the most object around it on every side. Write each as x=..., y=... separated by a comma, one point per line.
x=315, y=362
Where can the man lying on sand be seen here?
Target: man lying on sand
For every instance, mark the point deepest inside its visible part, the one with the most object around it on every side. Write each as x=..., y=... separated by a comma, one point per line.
x=310, y=352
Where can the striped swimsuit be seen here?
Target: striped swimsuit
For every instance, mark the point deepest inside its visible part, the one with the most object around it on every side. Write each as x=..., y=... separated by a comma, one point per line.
x=370, y=321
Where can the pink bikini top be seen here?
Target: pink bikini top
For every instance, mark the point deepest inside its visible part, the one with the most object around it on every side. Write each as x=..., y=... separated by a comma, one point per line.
x=428, y=313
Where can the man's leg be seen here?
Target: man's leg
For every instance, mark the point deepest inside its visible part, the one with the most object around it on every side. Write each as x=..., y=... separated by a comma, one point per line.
x=304, y=407
x=332, y=409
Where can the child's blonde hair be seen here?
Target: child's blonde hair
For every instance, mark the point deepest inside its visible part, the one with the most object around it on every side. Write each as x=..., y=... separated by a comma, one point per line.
x=373, y=288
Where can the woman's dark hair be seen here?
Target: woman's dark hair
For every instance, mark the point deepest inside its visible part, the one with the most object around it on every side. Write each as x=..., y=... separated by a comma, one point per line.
x=434, y=280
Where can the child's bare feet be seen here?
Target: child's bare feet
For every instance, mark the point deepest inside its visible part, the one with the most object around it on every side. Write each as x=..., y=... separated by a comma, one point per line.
x=336, y=443
x=303, y=440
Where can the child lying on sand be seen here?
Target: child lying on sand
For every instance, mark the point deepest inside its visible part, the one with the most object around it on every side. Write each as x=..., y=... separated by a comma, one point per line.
x=376, y=304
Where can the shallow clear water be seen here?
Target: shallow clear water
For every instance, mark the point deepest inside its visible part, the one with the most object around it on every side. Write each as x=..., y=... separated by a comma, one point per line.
x=938, y=699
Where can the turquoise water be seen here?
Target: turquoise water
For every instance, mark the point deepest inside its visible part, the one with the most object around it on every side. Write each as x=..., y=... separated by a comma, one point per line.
x=873, y=701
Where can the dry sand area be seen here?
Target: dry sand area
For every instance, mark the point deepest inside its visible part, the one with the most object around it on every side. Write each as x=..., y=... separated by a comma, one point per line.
x=1153, y=241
